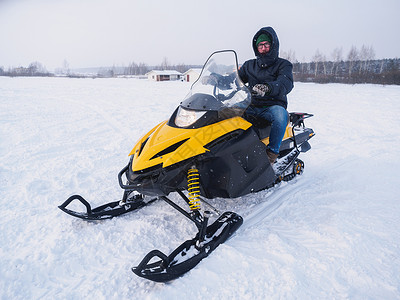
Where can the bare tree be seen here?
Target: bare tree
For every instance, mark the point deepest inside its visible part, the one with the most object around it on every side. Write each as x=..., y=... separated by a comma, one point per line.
x=36, y=68
x=352, y=57
x=181, y=68
x=165, y=64
x=143, y=68
x=136, y=69
x=367, y=54
x=337, y=57
x=132, y=69
x=382, y=65
x=65, y=67
x=318, y=59
x=353, y=54
x=289, y=55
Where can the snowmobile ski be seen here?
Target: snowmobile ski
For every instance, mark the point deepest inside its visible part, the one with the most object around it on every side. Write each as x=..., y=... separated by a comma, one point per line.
x=190, y=253
x=105, y=211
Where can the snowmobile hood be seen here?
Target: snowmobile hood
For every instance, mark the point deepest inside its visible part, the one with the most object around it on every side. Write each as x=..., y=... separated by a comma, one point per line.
x=269, y=58
x=165, y=145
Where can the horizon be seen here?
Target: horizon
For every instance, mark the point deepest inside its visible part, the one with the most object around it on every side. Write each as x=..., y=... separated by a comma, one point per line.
x=8, y=68
x=104, y=32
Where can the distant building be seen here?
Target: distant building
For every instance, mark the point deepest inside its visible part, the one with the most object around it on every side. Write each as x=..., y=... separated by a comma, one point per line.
x=191, y=75
x=165, y=75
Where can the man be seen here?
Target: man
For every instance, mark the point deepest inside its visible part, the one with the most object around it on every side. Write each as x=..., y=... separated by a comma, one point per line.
x=270, y=79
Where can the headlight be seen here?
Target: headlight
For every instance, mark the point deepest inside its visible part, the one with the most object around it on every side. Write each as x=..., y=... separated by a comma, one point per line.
x=186, y=117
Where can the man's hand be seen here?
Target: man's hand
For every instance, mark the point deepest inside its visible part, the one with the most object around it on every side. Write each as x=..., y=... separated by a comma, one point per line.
x=260, y=90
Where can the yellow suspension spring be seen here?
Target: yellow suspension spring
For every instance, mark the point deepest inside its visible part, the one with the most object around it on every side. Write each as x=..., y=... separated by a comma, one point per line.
x=194, y=189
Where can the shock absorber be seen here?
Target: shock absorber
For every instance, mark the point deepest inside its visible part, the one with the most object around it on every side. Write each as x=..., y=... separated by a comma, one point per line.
x=193, y=179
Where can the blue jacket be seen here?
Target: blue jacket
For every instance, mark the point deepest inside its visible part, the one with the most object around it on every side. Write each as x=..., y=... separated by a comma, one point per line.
x=268, y=69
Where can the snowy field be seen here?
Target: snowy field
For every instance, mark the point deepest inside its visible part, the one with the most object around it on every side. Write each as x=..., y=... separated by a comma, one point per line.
x=332, y=233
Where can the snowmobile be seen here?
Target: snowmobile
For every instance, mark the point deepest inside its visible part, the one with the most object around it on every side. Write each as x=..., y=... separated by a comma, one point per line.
x=207, y=149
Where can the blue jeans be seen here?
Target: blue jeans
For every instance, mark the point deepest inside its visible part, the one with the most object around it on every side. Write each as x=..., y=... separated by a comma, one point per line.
x=278, y=117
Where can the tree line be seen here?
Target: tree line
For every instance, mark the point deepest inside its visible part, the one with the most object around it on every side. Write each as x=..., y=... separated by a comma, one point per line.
x=34, y=69
x=359, y=66
x=133, y=68
x=384, y=71
x=142, y=68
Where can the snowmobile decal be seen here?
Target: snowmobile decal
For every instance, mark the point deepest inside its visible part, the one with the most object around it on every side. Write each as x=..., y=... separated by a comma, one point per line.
x=148, y=155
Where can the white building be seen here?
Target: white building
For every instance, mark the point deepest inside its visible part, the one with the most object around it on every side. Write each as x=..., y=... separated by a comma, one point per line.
x=158, y=75
x=191, y=75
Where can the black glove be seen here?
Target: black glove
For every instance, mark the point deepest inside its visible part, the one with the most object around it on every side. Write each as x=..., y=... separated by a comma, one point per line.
x=260, y=90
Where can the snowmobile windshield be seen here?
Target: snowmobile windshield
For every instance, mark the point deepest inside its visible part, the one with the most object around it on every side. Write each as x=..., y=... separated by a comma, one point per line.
x=219, y=87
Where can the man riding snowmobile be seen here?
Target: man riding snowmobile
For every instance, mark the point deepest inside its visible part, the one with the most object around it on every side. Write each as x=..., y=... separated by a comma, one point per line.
x=205, y=150
x=270, y=79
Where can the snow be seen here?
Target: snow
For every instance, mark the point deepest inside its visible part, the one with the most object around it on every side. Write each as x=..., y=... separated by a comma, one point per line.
x=331, y=233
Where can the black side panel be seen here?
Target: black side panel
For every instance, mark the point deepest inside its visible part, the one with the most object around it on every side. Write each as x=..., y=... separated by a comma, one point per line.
x=236, y=168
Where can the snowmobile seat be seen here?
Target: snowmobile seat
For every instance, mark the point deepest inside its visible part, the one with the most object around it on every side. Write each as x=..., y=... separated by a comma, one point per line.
x=261, y=126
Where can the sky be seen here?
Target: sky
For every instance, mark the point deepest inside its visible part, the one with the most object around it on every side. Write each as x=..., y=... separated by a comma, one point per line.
x=93, y=33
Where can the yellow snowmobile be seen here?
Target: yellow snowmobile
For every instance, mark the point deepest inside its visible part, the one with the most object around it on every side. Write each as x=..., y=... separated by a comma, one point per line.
x=207, y=149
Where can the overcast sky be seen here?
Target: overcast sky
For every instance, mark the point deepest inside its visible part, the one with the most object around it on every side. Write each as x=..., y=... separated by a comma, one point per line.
x=88, y=33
